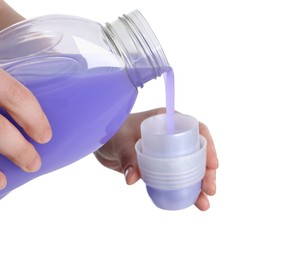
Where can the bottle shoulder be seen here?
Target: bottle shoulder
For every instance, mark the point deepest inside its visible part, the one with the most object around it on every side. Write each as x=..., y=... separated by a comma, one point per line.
x=55, y=36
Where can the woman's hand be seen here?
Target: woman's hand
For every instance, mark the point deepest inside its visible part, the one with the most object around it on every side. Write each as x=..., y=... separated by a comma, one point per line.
x=24, y=108
x=119, y=154
x=8, y=16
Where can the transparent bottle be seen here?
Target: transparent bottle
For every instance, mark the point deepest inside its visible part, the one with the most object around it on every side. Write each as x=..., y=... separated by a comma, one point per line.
x=85, y=76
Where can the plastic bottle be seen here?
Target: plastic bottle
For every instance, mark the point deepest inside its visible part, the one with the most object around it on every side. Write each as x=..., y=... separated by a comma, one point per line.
x=85, y=77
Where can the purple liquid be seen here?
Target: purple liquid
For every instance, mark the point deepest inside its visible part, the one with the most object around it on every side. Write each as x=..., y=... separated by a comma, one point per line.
x=175, y=199
x=85, y=110
x=169, y=87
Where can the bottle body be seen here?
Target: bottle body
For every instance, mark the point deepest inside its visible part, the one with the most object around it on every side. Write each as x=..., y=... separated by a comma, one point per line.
x=80, y=80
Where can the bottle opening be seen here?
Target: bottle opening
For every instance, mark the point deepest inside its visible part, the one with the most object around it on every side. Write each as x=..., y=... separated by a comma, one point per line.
x=137, y=44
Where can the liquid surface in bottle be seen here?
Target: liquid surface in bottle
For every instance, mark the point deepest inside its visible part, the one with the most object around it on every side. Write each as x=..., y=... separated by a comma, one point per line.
x=85, y=109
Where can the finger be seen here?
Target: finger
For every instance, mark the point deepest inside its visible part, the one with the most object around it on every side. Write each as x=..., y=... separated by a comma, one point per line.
x=16, y=148
x=127, y=158
x=209, y=182
x=3, y=181
x=128, y=163
x=24, y=108
x=132, y=174
x=202, y=202
x=212, y=160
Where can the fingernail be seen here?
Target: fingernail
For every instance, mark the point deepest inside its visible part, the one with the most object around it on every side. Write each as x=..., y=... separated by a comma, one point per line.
x=34, y=165
x=128, y=174
x=45, y=136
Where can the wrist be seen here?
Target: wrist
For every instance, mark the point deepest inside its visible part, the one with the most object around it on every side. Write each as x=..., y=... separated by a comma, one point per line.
x=8, y=16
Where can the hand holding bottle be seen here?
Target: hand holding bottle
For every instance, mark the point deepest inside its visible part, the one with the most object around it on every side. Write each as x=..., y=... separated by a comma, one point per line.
x=119, y=154
x=23, y=107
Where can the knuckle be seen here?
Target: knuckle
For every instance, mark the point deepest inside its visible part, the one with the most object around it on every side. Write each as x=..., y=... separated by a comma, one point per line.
x=160, y=110
x=13, y=145
x=23, y=154
x=125, y=159
x=15, y=93
x=4, y=125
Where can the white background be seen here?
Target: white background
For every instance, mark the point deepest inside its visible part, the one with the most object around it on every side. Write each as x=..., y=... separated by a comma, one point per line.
x=236, y=67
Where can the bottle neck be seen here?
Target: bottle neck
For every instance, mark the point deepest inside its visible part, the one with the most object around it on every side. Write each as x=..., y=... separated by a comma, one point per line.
x=134, y=40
